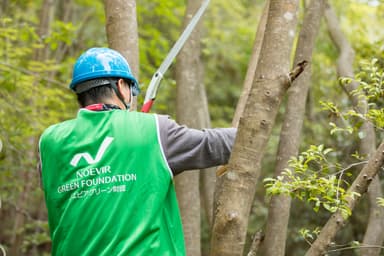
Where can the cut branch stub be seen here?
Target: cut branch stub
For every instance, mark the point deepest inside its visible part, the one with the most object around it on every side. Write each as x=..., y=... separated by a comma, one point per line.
x=296, y=71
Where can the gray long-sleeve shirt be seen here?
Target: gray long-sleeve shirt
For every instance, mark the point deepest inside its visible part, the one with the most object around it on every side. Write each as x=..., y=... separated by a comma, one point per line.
x=187, y=149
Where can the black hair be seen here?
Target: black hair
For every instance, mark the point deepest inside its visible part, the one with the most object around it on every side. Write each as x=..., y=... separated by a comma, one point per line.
x=95, y=95
x=98, y=90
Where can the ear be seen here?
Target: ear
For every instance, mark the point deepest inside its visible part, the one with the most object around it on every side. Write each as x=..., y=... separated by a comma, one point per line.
x=124, y=90
x=122, y=87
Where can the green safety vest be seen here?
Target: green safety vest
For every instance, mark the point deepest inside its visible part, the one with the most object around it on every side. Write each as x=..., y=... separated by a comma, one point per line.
x=108, y=188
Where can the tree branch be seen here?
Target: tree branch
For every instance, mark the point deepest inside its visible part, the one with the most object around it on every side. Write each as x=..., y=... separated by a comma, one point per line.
x=296, y=71
x=360, y=186
x=257, y=239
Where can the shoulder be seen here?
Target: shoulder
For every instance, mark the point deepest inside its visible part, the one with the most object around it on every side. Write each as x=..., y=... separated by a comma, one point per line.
x=165, y=122
x=138, y=117
x=57, y=128
x=55, y=133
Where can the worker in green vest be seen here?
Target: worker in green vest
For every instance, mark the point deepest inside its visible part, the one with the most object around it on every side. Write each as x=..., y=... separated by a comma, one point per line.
x=108, y=174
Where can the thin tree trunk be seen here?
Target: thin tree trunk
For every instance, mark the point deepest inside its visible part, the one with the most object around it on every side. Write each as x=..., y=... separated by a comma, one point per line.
x=20, y=218
x=122, y=33
x=249, y=77
x=374, y=234
x=46, y=16
x=207, y=190
x=187, y=189
x=64, y=9
x=247, y=85
x=236, y=193
x=256, y=241
x=27, y=172
x=252, y=65
x=279, y=207
x=337, y=221
x=207, y=176
x=3, y=7
x=191, y=110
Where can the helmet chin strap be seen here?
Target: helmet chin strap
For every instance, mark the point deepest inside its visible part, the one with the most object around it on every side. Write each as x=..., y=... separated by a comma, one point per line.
x=128, y=105
x=120, y=96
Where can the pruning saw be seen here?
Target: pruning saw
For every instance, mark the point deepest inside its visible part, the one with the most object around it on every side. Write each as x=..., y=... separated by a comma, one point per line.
x=150, y=95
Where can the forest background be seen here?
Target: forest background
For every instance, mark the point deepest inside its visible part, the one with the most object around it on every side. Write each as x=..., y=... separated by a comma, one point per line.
x=35, y=70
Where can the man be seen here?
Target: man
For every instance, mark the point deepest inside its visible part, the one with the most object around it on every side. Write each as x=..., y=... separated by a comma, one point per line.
x=108, y=174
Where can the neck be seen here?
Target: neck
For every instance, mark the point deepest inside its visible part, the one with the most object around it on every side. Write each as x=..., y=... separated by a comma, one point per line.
x=101, y=107
x=114, y=100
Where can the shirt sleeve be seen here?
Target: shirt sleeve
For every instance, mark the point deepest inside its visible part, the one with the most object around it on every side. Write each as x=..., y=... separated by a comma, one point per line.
x=187, y=149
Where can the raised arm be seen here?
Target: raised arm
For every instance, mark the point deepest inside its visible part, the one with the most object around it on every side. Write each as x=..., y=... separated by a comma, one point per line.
x=187, y=149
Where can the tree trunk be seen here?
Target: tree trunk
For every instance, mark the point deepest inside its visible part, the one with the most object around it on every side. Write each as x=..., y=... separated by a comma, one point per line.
x=249, y=77
x=3, y=7
x=64, y=9
x=28, y=175
x=236, y=193
x=279, y=207
x=252, y=65
x=46, y=16
x=187, y=189
x=207, y=191
x=374, y=234
x=191, y=110
x=122, y=33
x=247, y=85
x=337, y=221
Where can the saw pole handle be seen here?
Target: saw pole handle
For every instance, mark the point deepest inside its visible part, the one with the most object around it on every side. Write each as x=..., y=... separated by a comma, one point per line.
x=147, y=106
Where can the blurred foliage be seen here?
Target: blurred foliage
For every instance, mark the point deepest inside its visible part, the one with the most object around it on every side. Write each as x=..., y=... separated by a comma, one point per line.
x=159, y=28
x=227, y=46
x=34, y=93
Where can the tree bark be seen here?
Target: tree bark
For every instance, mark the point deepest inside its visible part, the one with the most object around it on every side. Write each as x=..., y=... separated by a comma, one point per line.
x=191, y=110
x=279, y=207
x=337, y=221
x=235, y=195
x=122, y=33
x=249, y=77
x=256, y=241
x=247, y=85
x=252, y=65
x=374, y=234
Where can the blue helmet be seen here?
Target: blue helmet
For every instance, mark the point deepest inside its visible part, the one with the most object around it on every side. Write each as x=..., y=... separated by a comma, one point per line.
x=101, y=63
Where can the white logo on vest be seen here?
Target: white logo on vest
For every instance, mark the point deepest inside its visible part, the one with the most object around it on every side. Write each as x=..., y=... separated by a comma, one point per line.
x=104, y=145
